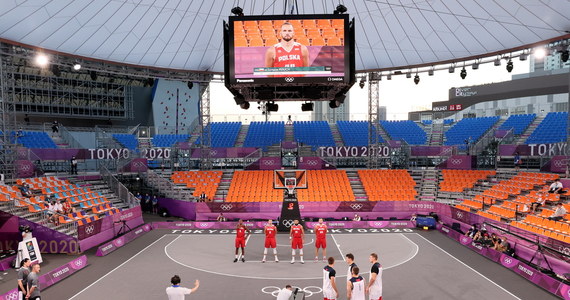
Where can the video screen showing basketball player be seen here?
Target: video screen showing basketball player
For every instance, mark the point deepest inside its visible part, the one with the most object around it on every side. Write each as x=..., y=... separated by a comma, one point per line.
x=287, y=53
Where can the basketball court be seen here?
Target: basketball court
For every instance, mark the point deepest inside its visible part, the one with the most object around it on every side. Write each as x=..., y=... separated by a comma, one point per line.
x=414, y=268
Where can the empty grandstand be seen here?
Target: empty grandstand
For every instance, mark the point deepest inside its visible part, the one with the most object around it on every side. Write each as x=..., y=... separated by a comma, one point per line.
x=314, y=133
x=408, y=131
x=518, y=123
x=264, y=134
x=468, y=131
x=551, y=130
x=355, y=133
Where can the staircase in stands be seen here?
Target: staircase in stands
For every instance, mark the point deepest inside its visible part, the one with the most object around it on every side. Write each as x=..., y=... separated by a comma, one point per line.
x=530, y=129
x=383, y=133
x=194, y=135
x=145, y=143
x=428, y=184
x=59, y=141
x=289, y=133
x=336, y=135
x=482, y=186
x=356, y=185
x=436, y=134
x=224, y=186
x=241, y=135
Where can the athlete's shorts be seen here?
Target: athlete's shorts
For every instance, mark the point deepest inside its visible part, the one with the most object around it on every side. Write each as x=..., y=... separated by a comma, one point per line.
x=240, y=242
x=321, y=243
x=374, y=296
x=270, y=243
x=297, y=243
x=329, y=295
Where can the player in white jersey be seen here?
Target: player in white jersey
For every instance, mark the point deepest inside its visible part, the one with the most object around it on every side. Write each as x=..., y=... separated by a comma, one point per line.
x=356, y=286
x=330, y=292
x=374, y=288
x=349, y=258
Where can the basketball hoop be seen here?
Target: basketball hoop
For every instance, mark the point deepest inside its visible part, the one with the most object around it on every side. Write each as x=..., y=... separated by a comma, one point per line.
x=290, y=184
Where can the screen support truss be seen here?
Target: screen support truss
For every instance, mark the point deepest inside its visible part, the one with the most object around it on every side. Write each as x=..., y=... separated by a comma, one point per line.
x=373, y=102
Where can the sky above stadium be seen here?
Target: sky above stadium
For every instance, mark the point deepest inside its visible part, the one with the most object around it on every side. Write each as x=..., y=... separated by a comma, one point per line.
x=400, y=95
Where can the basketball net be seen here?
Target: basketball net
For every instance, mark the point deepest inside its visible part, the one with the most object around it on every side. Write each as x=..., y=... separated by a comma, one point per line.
x=290, y=184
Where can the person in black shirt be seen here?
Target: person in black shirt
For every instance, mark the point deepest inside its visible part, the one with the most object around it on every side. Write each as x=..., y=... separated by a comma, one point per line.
x=349, y=258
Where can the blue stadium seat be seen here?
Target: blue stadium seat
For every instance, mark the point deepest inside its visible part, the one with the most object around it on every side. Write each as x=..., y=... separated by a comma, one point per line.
x=128, y=141
x=472, y=128
x=551, y=130
x=34, y=139
x=519, y=123
x=314, y=133
x=407, y=130
x=448, y=121
x=168, y=140
x=224, y=134
x=355, y=133
x=427, y=122
x=264, y=134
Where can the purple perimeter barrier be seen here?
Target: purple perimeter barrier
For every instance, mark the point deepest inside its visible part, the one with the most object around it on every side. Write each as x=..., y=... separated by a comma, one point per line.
x=54, y=276
x=533, y=275
x=123, y=240
x=261, y=224
x=6, y=263
x=110, y=227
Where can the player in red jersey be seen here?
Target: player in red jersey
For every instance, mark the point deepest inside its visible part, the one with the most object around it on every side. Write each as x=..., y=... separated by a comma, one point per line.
x=287, y=53
x=321, y=240
x=242, y=233
x=270, y=231
x=297, y=235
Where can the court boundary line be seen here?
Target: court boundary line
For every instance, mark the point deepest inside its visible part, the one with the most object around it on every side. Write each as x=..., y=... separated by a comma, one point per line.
x=116, y=268
x=338, y=247
x=469, y=267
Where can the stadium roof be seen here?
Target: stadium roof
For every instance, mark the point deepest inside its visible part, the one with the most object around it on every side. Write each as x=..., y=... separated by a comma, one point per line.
x=187, y=34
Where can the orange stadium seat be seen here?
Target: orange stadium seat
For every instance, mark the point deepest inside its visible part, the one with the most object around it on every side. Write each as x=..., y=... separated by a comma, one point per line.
x=303, y=40
x=250, y=24
x=326, y=185
x=253, y=186
x=329, y=33
x=324, y=23
x=459, y=180
x=256, y=42
x=319, y=41
x=240, y=42
x=309, y=24
x=271, y=41
x=334, y=41
x=388, y=185
x=206, y=182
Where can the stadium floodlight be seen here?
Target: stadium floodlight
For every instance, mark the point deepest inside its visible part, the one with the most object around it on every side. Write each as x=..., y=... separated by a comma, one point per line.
x=244, y=105
x=93, y=75
x=409, y=74
x=523, y=56
x=239, y=99
x=361, y=83
x=451, y=69
x=389, y=77
x=42, y=60
x=540, y=53
x=272, y=106
x=76, y=66
x=564, y=55
x=497, y=62
x=430, y=72
x=340, y=9
x=307, y=106
x=55, y=70
x=417, y=79
x=510, y=66
x=475, y=66
x=463, y=73
x=190, y=84
x=238, y=11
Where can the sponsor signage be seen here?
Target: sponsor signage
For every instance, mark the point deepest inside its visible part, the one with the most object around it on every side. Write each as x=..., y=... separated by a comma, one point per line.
x=465, y=92
x=123, y=240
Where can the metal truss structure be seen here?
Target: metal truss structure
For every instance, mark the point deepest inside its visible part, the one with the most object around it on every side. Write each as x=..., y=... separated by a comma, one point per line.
x=8, y=149
x=373, y=102
x=205, y=128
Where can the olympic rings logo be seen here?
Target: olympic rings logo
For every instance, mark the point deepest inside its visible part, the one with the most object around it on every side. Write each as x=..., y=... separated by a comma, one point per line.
x=79, y=263
x=287, y=223
x=268, y=162
x=289, y=79
x=508, y=260
x=226, y=206
x=312, y=162
x=138, y=164
x=89, y=229
x=456, y=161
x=309, y=290
x=24, y=167
x=356, y=206
x=11, y=296
x=459, y=214
x=559, y=163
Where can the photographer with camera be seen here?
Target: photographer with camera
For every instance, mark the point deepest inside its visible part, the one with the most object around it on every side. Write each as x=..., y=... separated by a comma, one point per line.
x=26, y=232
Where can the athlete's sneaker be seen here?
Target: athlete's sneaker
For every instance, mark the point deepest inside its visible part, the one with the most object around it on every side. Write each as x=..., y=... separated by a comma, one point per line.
x=235, y=260
x=292, y=261
x=302, y=261
x=316, y=259
x=242, y=259
x=324, y=259
x=263, y=261
x=276, y=260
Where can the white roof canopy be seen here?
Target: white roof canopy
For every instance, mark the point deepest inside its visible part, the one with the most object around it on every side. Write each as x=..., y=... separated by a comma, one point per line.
x=187, y=34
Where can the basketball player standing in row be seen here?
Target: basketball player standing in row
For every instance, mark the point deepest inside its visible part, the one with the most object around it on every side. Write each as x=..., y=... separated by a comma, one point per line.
x=270, y=230
x=297, y=235
x=374, y=288
x=349, y=257
x=321, y=240
x=242, y=232
x=355, y=286
x=287, y=53
x=330, y=292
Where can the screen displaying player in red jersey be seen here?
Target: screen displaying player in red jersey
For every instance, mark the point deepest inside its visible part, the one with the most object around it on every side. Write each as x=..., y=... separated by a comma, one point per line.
x=321, y=239
x=270, y=231
x=296, y=235
x=242, y=233
x=287, y=53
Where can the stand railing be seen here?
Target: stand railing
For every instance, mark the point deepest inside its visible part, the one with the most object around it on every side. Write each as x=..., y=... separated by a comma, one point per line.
x=68, y=138
x=252, y=158
x=15, y=206
x=118, y=188
x=166, y=187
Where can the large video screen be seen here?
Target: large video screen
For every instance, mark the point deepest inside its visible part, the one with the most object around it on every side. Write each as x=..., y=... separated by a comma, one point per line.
x=288, y=49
